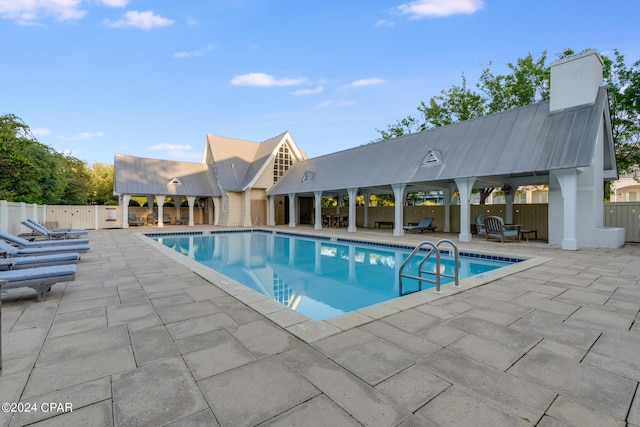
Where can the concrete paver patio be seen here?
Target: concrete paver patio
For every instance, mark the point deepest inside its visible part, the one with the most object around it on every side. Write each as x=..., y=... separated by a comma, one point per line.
x=140, y=339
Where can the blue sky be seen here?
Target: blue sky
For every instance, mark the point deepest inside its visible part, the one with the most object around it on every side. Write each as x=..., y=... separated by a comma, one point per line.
x=151, y=78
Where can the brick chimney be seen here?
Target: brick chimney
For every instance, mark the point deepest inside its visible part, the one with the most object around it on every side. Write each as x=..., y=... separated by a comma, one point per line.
x=575, y=80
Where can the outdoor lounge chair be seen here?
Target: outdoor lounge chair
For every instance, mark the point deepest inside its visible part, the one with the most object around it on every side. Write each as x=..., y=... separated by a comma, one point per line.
x=24, y=243
x=6, y=250
x=166, y=218
x=39, y=261
x=152, y=219
x=184, y=219
x=39, y=279
x=60, y=233
x=423, y=225
x=496, y=230
x=134, y=220
x=480, y=225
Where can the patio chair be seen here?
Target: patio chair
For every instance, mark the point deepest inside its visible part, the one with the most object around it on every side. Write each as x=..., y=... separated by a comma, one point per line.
x=423, y=225
x=39, y=279
x=152, y=219
x=184, y=219
x=496, y=230
x=56, y=233
x=480, y=225
x=166, y=218
x=134, y=220
x=6, y=250
x=24, y=243
x=39, y=261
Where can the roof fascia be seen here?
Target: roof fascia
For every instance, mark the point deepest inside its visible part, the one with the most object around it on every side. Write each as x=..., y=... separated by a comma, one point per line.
x=292, y=145
x=610, y=173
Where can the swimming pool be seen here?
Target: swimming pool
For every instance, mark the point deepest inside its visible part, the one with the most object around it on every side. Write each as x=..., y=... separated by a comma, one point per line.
x=318, y=277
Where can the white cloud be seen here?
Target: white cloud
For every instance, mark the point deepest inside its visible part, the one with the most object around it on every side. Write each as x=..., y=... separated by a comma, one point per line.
x=193, y=53
x=82, y=136
x=309, y=91
x=435, y=8
x=114, y=3
x=177, y=151
x=40, y=132
x=384, y=23
x=144, y=20
x=367, y=82
x=335, y=103
x=265, y=80
x=170, y=147
x=27, y=12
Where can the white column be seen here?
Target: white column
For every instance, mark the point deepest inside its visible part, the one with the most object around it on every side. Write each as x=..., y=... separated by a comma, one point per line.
x=398, y=193
x=216, y=210
x=318, y=202
x=160, y=199
x=509, y=198
x=447, y=193
x=4, y=216
x=176, y=203
x=292, y=210
x=248, y=221
x=272, y=210
x=191, y=200
x=365, y=222
x=125, y=211
x=568, y=179
x=465, y=185
x=353, y=193
x=150, y=198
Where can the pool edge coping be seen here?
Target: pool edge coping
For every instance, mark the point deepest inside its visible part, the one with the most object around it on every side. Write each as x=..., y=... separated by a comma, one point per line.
x=310, y=330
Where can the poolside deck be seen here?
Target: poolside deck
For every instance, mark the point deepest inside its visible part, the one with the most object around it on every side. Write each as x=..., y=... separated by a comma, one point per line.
x=140, y=339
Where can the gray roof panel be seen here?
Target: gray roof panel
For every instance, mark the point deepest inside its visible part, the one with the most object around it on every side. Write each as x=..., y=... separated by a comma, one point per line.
x=143, y=176
x=525, y=140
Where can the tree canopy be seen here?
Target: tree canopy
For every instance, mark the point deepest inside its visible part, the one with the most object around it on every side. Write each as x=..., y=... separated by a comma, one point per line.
x=528, y=82
x=35, y=173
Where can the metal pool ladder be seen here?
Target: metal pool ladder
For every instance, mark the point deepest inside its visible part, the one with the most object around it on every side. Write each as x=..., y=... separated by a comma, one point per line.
x=433, y=248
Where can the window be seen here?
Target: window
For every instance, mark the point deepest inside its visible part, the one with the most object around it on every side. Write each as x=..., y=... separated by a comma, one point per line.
x=633, y=196
x=282, y=163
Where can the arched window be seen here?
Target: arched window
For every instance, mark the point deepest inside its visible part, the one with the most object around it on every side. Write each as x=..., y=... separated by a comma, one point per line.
x=282, y=163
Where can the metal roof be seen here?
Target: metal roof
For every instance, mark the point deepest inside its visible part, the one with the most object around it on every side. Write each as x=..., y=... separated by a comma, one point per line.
x=526, y=141
x=143, y=176
x=239, y=162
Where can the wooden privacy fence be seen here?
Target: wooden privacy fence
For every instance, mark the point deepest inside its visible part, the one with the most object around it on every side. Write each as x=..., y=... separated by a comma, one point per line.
x=625, y=215
x=531, y=216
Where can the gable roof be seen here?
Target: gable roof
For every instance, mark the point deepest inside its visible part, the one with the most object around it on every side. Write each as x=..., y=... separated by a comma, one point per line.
x=524, y=141
x=143, y=176
x=239, y=163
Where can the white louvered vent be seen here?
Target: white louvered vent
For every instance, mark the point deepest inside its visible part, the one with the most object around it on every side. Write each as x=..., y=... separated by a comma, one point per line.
x=433, y=157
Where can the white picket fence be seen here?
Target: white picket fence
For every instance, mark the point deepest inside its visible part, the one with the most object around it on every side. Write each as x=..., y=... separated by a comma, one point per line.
x=616, y=214
x=88, y=217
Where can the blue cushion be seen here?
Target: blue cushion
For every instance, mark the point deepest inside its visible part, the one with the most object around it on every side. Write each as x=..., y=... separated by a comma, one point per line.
x=38, y=273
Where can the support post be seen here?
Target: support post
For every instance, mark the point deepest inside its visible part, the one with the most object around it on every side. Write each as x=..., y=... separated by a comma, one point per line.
x=465, y=185
x=353, y=193
x=398, y=194
x=318, y=209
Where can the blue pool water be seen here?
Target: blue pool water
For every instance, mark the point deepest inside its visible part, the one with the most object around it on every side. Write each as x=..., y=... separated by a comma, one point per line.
x=317, y=277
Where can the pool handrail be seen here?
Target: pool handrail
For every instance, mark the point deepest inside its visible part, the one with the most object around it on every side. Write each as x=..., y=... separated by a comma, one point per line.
x=432, y=248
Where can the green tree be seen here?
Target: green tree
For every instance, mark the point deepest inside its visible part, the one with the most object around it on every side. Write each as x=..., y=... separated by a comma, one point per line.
x=30, y=170
x=76, y=176
x=35, y=173
x=102, y=185
x=624, y=101
x=527, y=83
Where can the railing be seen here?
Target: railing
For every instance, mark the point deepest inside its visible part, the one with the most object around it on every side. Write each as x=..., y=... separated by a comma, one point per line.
x=434, y=248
